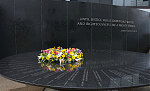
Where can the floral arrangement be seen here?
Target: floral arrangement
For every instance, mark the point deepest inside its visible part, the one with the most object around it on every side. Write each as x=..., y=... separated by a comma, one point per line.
x=60, y=56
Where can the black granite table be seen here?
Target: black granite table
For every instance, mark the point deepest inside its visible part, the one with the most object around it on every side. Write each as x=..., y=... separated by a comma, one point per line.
x=102, y=69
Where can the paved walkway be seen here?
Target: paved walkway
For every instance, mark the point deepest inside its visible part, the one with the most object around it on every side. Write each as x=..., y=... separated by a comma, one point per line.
x=8, y=85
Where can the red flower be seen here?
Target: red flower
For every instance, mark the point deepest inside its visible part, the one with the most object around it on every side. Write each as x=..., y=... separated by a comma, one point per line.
x=56, y=52
x=47, y=51
x=43, y=51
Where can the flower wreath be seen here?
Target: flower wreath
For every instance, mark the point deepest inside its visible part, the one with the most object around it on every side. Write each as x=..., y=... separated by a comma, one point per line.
x=60, y=56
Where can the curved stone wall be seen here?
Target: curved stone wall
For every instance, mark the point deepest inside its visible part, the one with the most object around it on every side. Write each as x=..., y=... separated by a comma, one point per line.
x=32, y=25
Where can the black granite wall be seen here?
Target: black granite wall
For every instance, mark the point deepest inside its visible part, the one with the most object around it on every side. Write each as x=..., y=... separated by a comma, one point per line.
x=109, y=2
x=7, y=26
x=32, y=25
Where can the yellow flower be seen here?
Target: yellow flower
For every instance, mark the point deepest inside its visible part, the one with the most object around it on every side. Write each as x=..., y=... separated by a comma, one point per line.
x=42, y=64
x=63, y=68
x=70, y=59
x=73, y=57
x=80, y=55
x=49, y=68
x=71, y=69
x=47, y=65
x=53, y=56
x=53, y=52
x=77, y=56
x=42, y=58
x=63, y=55
x=70, y=65
x=41, y=54
x=71, y=53
x=53, y=69
x=47, y=58
x=77, y=65
x=41, y=50
x=52, y=60
x=60, y=58
x=49, y=55
x=73, y=66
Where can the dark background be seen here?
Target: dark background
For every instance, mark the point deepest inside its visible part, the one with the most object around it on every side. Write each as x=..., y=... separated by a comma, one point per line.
x=32, y=25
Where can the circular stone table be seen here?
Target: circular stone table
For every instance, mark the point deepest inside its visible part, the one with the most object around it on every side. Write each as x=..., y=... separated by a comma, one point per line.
x=101, y=69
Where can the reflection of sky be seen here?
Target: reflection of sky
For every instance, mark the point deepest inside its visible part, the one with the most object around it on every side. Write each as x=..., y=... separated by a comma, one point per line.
x=146, y=10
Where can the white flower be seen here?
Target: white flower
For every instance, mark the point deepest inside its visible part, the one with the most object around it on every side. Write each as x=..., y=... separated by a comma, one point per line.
x=75, y=55
x=39, y=57
x=39, y=62
x=60, y=53
x=61, y=61
x=78, y=59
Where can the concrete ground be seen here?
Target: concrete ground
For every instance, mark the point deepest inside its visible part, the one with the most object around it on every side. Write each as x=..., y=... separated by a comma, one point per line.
x=8, y=85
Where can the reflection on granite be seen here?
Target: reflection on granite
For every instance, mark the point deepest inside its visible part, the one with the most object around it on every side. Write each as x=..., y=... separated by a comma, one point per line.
x=62, y=67
x=101, y=69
